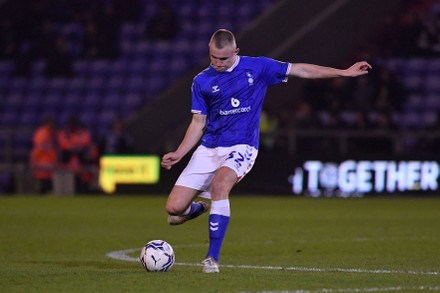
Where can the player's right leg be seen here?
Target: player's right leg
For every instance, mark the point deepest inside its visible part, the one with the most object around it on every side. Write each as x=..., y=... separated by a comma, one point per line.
x=181, y=207
x=238, y=161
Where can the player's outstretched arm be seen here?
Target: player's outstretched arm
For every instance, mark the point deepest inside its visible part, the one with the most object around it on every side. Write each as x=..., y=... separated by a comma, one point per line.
x=192, y=137
x=312, y=71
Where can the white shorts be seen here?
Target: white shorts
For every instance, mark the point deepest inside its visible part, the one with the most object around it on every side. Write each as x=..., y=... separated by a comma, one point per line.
x=204, y=163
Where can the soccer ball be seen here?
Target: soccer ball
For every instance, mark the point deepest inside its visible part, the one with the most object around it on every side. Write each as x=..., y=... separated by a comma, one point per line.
x=157, y=256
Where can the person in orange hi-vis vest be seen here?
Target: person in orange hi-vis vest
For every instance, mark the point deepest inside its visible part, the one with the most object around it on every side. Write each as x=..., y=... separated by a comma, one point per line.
x=44, y=154
x=77, y=151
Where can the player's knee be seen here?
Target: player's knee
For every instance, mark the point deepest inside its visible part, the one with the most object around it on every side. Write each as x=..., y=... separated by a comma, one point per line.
x=173, y=209
x=222, y=184
x=219, y=191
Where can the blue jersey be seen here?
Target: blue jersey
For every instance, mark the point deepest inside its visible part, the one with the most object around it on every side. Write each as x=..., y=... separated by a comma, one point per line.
x=233, y=100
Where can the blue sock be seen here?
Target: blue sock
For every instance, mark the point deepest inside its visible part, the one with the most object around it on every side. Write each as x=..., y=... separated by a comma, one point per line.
x=218, y=225
x=196, y=209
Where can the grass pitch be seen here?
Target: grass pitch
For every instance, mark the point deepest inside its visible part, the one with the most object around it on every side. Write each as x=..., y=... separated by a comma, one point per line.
x=274, y=244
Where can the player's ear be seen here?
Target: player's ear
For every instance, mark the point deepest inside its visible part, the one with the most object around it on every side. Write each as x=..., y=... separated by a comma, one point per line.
x=237, y=50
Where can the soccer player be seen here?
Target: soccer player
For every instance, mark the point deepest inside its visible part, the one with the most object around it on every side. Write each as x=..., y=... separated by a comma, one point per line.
x=227, y=99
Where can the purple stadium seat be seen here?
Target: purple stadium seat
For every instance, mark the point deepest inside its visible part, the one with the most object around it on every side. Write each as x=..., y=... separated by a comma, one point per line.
x=4, y=83
x=433, y=67
x=13, y=102
x=51, y=102
x=416, y=101
x=32, y=101
x=37, y=68
x=394, y=64
x=432, y=101
x=116, y=84
x=413, y=82
x=37, y=84
x=129, y=32
x=56, y=85
x=136, y=84
x=9, y=119
x=415, y=66
x=177, y=67
x=131, y=103
x=22, y=143
x=76, y=85
x=95, y=84
x=410, y=119
x=119, y=67
x=6, y=67
x=29, y=118
x=19, y=84
x=111, y=101
x=90, y=102
x=139, y=66
x=432, y=84
x=71, y=101
x=105, y=118
x=100, y=68
x=88, y=117
x=82, y=67
x=429, y=118
x=64, y=115
x=142, y=50
x=155, y=83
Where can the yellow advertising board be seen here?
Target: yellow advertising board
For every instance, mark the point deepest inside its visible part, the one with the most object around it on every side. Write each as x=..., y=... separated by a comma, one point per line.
x=127, y=169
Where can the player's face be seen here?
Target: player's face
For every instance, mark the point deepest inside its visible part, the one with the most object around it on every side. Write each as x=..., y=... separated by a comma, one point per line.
x=222, y=59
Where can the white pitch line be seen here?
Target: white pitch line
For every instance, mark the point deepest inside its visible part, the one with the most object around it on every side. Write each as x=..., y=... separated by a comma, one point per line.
x=122, y=255
x=377, y=289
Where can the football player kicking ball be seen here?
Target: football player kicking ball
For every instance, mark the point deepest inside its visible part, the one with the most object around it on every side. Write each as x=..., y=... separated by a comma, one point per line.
x=227, y=99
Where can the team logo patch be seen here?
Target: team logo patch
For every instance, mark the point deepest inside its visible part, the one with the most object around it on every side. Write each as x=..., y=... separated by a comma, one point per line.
x=250, y=78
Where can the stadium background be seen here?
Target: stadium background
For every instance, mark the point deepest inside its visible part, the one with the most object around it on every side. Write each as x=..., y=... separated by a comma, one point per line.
x=144, y=79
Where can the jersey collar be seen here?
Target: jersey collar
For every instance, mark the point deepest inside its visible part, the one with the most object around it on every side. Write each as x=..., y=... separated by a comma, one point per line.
x=234, y=65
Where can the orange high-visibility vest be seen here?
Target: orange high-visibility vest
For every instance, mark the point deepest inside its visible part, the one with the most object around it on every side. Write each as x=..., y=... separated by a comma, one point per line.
x=44, y=155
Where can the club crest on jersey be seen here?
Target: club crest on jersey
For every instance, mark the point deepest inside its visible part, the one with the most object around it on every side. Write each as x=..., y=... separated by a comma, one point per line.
x=250, y=78
x=215, y=89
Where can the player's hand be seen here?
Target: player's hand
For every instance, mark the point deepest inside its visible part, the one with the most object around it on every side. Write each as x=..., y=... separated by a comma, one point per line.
x=170, y=159
x=359, y=68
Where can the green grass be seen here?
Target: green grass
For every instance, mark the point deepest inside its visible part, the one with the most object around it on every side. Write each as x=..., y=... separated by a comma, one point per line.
x=59, y=244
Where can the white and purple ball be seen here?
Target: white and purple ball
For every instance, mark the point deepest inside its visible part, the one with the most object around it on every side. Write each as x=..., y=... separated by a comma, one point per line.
x=157, y=256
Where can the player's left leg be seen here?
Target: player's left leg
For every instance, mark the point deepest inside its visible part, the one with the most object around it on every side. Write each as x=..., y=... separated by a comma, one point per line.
x=181, y=207
x=192, y=182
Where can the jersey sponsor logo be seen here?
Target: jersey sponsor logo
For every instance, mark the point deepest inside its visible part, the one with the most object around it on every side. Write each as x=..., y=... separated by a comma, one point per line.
x=235, y=111
x=235, y=103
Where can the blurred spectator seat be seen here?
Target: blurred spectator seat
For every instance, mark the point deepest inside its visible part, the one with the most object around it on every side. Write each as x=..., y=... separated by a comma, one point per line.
x=81, y=67
x=7, y=67
x=37, y=84
x=76, y=85
x=9, y=118
x=432, y=84
x=29, y=118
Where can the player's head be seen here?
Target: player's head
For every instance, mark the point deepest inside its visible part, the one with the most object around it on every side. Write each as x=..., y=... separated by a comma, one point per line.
x=223, y=49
